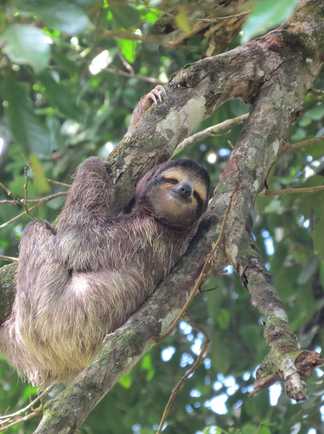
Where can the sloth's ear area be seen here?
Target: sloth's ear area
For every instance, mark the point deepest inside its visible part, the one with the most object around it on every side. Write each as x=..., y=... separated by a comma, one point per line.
x=142, y=184
x=141, y=188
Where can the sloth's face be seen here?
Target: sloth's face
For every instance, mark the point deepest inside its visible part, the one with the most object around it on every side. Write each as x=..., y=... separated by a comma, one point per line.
x=177, y=196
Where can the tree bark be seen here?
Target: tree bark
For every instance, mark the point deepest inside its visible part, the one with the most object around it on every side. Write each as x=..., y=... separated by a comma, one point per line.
x=7, y=290
x=273, y=73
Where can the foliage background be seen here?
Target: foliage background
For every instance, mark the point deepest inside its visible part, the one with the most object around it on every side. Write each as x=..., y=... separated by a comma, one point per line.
x=62, y=101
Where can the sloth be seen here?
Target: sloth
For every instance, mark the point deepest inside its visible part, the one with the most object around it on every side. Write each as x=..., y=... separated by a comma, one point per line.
x=85, y=277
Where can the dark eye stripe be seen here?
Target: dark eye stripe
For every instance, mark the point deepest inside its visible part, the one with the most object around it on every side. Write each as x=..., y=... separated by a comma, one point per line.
x=198, y=198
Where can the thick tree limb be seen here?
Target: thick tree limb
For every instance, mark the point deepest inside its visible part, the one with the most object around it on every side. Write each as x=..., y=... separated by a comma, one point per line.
x=274, y=73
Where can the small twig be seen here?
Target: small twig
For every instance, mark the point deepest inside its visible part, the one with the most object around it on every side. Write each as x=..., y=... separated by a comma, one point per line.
x=8, y=258
x=12, y=419
x=131, y=75
x=317, y=92
x=170, y=40
x=126, y=64
x=17, y=217
x=13, y=219
x=6, y=189
x=124, y=34
x=9, y=423
x=208, y=290
x=10, y=202
x=291, y=147
x=25, y=200
x=21, y=202
x=39, y=202
x=9, y=194
x=182, y=380
x=264, y=383
x=211, y=131
x=27, y=407
x=225, y=17
x=290, y=190
x=16, y=202
x=54, y=182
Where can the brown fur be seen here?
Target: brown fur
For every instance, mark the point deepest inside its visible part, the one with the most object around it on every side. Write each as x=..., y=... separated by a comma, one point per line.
x=83, y=279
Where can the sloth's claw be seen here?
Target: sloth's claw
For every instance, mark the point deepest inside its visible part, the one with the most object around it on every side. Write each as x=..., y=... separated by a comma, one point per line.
x=157, y=94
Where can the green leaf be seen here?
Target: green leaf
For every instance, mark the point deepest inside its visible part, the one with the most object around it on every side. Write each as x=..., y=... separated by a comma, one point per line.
x=151, y=16
x=318, y=231
x=248, y=428
x=128, y=49
x=316, y=113
x=299, y=134
x=250, y=334
x=146, y=362
x=59, y=95
x=264, y=430
x=223, y=319
x=126, y=381
x=147, y=365
x=214, y=430
x=308, y=270
x=266, y=15
x=305, y=121
x=39, y=176
x=220, y=353
x=62, y=15
x=67, y=17
x=125, y=15
x=316, y=150
x=29, y=391
x=26, y=44
x=182, y=20
x=274, y=206
x=310, y=202
x=322, y=273
x=28, y=130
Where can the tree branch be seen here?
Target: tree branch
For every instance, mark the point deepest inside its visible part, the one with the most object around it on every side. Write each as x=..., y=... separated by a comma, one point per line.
x=38, y=200
x=211, y=131
x=291, y=147
x=293, y=190
x=132, y=75
x=280, y=363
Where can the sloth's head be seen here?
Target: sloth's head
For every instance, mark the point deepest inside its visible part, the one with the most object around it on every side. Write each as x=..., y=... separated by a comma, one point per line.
x=175, y=193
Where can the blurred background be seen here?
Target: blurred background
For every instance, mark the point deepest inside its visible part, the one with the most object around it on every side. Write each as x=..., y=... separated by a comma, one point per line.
x=71, y=73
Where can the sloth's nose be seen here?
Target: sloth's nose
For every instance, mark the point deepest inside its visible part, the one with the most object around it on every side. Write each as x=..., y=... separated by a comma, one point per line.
x=185, y=190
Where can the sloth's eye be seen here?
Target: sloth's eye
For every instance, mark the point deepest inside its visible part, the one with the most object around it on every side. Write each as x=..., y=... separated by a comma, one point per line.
x=171, y=180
